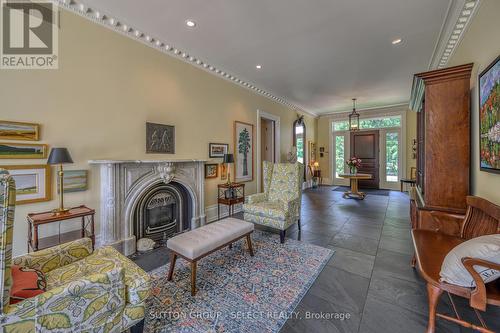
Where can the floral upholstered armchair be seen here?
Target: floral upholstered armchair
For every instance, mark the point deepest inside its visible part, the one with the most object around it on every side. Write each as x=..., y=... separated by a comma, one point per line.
x=86, y=290
x=279, y=206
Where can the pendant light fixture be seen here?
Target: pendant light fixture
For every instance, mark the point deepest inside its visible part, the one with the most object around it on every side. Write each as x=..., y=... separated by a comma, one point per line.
x=354, y=117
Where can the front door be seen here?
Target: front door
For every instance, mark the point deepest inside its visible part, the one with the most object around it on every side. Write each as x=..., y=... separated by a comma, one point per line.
x=365, y=145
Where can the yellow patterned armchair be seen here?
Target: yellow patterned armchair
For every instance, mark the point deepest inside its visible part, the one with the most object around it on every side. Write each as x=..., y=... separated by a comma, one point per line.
x=87, y=291
x=279, y=205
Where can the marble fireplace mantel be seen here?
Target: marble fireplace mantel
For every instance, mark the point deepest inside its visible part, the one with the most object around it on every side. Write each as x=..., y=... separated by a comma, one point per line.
x=123, y=182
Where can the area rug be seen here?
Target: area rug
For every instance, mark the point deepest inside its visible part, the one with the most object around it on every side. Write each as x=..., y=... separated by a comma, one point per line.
x=368, y=191
x=236, y=292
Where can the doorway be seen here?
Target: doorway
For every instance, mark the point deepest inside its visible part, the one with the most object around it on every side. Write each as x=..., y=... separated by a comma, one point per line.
x=365, y=145
x=268, y=142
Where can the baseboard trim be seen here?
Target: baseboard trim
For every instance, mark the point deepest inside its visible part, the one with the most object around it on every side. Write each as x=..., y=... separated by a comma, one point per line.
x=211, y=212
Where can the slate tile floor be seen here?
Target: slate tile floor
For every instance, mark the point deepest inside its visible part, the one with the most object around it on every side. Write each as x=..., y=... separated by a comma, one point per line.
x=369, y=277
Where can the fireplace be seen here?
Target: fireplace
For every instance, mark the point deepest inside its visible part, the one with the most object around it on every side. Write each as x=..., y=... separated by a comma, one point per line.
x=148, y=199
x=162, y=212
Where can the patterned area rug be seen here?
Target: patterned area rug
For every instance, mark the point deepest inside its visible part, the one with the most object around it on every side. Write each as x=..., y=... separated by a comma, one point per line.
x=236, y=292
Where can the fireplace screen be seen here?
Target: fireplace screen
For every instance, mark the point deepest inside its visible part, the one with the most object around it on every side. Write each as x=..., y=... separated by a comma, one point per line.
x=162, y=212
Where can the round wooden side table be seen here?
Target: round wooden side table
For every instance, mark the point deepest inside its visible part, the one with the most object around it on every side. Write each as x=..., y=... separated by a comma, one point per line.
x=354, y=177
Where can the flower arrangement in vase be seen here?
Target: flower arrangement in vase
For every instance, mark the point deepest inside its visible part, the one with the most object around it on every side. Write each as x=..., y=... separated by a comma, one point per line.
x=353, y=163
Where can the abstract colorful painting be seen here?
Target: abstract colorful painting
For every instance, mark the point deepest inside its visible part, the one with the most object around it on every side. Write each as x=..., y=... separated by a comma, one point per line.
x=489, y=117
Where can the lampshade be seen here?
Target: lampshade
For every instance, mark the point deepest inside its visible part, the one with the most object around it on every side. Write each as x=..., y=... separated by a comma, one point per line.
x=228, y=158
x=316, y=164
x=59, y=156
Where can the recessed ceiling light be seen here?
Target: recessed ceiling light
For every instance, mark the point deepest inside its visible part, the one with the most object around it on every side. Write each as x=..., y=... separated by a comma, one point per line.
x=191, y=23
x=258, y=66
x=397, y=41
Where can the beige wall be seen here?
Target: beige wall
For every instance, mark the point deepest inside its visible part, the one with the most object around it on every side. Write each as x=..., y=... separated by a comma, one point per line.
x=323, y=130
x=106, y=88
x=480, y=45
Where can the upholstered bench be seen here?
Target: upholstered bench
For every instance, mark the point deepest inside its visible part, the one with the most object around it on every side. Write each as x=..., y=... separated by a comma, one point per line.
x=200, y=242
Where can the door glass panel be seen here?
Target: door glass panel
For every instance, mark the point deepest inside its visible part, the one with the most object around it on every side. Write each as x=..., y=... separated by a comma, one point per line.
x=339, y=155
x=394, y=121
x=392, y=156
x=299, y=130
x=340, y=125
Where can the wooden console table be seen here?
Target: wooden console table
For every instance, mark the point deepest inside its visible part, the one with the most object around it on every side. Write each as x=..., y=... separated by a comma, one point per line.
x=36, y=219
x=230, y=195
x=354, y=177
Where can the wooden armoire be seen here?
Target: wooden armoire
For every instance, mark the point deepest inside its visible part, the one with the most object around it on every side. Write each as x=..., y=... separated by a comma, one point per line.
x=442, y=101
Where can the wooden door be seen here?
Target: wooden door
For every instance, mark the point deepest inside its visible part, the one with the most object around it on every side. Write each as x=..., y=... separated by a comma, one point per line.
x=365, y=145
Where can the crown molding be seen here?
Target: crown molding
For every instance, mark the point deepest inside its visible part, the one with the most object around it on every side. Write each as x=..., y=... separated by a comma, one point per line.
x=458, y=17
x=377, y=108
x=115, y=24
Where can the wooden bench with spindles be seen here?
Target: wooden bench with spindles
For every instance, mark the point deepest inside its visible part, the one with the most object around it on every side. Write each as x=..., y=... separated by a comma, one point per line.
x=431, y=247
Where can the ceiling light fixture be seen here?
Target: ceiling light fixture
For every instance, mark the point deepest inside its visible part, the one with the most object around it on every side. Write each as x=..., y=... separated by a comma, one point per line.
x=191, y=23
x=258, y=66
x=397, y=41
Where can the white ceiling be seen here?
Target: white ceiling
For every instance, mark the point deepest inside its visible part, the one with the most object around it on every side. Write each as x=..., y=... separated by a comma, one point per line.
x=317, y=54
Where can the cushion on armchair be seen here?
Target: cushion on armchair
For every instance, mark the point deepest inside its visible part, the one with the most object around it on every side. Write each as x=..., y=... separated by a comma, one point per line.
x=484, y=247
x=27, y=283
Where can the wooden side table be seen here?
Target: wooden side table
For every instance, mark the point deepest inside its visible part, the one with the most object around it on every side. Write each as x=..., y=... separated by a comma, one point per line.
x=37, y=219
x=230, y=195
x=317, y=174
x=354, y=192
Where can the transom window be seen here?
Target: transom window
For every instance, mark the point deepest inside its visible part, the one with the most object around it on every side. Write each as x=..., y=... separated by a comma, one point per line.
x=370, y=123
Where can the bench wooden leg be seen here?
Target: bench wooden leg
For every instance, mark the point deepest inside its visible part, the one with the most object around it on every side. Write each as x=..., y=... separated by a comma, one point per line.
x=230, y=246
x=298, y=223
x=249, y=243
x=433, y=294
x=173, y=258
x=193, y=278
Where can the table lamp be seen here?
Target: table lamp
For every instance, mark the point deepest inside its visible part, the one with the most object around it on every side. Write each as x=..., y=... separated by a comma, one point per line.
x=316, y=165
x=228, y=159
x=60, y=156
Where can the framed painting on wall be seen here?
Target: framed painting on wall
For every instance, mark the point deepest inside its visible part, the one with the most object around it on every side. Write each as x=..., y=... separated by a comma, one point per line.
x=33, y=182
x=74, y=181
x=12, y=130
x=211, y=170
x=10, y=150
x=160, y=139
x=489, y=118
x=243, y=148
x=216, y=150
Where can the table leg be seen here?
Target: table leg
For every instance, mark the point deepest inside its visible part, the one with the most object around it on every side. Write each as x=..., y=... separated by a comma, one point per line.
x=218, y=211
x=82, y=232
x=92, y=231
x=29, y=235
x=401, y=186
x=35, y=236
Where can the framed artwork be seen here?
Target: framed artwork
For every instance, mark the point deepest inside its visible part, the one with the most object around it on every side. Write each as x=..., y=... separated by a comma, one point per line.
x=216, y=150
x=211, y=170
x=33, y=182
x=243, y=148
x=489, y=118
x=160, y=139
x=223, y=171
x=22, y=150
x=74, y=181
x=11, y=130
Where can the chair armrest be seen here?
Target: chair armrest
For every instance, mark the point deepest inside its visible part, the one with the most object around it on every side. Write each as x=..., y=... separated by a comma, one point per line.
x=448, y=223
x=478, y=295
x=292, y=207
x=57, y=256
x=255, y=198
x=87, y=304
